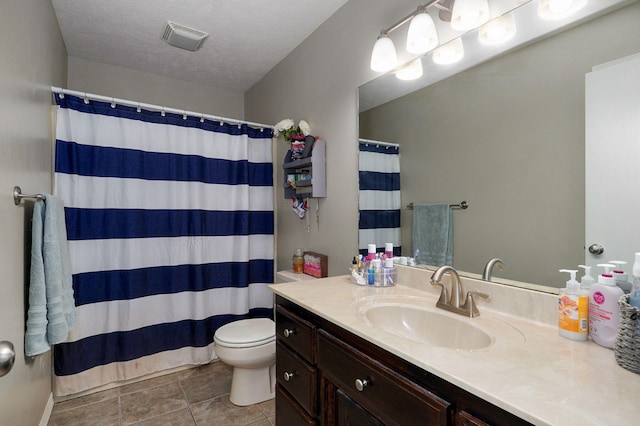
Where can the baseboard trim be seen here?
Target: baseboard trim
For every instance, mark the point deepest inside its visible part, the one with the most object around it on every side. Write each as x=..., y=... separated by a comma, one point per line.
x=46, y=415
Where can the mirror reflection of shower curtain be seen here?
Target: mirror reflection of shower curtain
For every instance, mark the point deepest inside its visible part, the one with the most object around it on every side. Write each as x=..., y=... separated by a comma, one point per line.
x=379, y=200
x=171, y=235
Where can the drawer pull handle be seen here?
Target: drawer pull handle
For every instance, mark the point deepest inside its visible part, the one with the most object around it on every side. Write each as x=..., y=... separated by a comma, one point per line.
x=288, y=376
x=361, y=384
x=288, y=332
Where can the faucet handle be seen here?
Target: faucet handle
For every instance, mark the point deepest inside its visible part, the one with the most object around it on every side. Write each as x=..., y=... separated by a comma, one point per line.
x=470, y=303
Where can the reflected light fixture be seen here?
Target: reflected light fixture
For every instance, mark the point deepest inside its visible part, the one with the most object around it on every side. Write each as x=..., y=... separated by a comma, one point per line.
x=469, y=14
x=558, y=9
x=383, y=57
x=411, y=71
x=449, y=53
x=498, y=30
x=422, y=35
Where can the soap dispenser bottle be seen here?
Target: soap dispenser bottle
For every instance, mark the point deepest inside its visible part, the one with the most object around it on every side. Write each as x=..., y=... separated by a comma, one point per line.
x=587, y=280
x=573, y=310
x=621, y=277
x=604, y=311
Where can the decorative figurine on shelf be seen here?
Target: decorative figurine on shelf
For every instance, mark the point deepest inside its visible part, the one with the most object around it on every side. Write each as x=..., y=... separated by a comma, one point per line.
x=297, y=135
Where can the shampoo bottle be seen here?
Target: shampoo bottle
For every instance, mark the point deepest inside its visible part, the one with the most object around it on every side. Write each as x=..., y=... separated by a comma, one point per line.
x=573, y=310
x=604, y=311
x=587, y=280
x=622, y=279
x=634, y=297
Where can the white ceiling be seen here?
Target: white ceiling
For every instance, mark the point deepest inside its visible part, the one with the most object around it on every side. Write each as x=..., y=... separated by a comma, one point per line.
x=246, y=37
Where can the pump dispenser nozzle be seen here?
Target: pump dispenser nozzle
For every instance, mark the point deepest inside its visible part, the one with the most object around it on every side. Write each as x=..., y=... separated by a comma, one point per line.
x=586, y=279
x=606, y=278
x=572, y=284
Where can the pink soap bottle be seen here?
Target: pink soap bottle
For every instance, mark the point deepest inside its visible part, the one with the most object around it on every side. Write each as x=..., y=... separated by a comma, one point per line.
x=604, y=311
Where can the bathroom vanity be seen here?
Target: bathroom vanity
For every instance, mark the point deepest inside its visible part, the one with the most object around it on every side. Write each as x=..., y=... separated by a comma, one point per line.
x=338, y=362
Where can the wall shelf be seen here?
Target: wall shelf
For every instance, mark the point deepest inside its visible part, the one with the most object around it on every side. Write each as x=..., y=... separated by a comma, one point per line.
x=306, y=177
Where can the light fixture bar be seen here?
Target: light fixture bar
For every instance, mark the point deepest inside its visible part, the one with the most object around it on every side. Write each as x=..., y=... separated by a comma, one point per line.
x=424, y=7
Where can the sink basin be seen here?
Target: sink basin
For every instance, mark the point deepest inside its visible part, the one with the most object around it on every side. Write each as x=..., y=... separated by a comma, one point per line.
x=427, y=326
x=417, y=319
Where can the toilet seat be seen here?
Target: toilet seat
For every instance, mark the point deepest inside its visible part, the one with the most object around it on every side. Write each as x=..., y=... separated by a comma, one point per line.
x=246, y=333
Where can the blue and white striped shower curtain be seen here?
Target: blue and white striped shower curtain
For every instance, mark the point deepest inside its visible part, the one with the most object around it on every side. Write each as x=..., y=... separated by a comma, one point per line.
x=170, y=225
x=379, y=200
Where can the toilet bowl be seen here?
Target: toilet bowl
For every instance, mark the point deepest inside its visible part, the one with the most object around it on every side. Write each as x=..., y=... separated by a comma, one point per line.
x=249, y=346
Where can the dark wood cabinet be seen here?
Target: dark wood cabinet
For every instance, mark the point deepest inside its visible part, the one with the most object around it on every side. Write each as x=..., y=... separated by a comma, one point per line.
x=329, y=376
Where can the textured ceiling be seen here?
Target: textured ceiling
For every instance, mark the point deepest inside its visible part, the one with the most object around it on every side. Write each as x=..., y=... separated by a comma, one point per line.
x=246, y=37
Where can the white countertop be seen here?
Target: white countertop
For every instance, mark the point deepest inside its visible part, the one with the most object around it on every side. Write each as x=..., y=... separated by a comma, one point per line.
x=537, y=375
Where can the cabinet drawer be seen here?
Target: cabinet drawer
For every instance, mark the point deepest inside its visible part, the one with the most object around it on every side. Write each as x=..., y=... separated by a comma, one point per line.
x=390, y=397
x=296, y=333
x=297, y=377
x=288, y=412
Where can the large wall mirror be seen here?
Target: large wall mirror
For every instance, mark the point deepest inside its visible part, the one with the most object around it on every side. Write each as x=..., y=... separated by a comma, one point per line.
x=507, y=135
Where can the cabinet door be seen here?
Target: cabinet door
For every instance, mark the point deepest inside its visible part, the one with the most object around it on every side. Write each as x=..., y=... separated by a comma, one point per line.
x=349, y=413
x=288, y=412
x=376, y=388
x=465, y=419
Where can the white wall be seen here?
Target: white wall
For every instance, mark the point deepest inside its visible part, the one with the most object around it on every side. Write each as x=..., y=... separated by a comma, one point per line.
x=317, y=82
x=125, y=83
x=33, y=59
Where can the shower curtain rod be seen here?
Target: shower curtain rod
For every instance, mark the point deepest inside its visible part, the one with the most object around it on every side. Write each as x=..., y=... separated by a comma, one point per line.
x=135, y=104
x=395, y=145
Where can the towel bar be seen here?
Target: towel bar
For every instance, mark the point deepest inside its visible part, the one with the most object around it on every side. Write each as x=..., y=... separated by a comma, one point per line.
x=463, y=205
x=18, y=195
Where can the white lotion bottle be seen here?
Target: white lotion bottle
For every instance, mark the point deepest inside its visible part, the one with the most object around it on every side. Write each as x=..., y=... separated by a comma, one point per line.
x=573, y=310
x=587, y=280
x=604, y=311
x=621, y=277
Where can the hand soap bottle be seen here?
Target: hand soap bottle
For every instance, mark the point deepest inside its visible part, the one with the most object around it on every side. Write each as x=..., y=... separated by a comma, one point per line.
x=587, y=280
x=604, y=311
x=622, y=279
x=573, y=310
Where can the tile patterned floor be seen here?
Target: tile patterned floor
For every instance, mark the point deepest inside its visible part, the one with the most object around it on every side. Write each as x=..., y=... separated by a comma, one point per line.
x=194, y=397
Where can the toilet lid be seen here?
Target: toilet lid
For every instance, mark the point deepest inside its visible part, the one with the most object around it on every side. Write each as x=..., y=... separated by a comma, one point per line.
x=247, y=332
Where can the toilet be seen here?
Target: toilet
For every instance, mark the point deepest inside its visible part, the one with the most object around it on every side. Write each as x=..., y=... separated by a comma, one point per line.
x=249, y=346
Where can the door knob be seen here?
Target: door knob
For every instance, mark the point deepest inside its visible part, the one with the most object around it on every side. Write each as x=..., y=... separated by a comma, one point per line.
x=7, y=357
x=596, y=249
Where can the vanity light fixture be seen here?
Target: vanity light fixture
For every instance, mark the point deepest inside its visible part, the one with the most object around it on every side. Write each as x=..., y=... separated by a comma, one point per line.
x=498, y=30
x=383, y=57
x=469, y=14
x=410, y=71
x=449, y=53
x=422, y=35
x=558, y=9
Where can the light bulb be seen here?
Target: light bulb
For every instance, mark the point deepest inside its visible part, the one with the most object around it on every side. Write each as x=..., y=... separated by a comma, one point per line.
x=383, y=56
x=499, y=30
x=449, y=53
x=558, y=9
x=469, y=14
x=411, y=71
x=422, y=35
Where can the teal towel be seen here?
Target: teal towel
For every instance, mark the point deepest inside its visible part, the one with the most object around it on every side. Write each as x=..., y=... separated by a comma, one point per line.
x=51, y=304
x=433, y=234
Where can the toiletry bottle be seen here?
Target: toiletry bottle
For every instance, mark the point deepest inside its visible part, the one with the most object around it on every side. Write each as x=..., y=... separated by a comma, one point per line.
x=622, y=279
x=371, y=252
x=587, y=280
x=634, y=297
x=388, y=250
x=298, y=261
x=370, y=272
x=377, y=272
x=354, y=264
x=604, y=311
x=573, y=310
x=387, y=272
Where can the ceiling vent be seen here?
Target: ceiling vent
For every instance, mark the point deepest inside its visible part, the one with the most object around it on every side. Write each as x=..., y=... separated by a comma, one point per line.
x=183, y=37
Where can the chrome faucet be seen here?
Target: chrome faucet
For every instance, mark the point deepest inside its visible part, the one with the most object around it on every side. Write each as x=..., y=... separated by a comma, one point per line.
x=488, y=268
x=452, y=303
